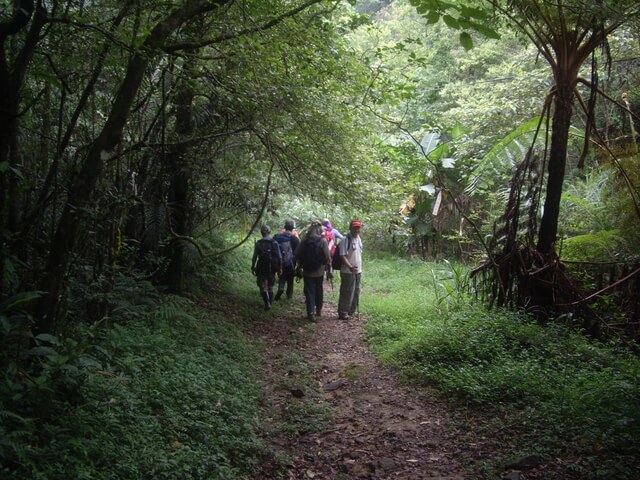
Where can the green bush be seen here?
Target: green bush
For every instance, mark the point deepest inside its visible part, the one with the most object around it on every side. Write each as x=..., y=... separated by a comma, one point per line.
x=168, y=395
x=602, y=246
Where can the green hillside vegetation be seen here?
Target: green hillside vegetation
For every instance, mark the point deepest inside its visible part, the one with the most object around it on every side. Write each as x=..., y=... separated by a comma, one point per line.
x=168, y=391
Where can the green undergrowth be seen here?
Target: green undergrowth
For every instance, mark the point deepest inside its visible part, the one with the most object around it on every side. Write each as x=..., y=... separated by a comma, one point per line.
x=558, y=392
x=168, y=391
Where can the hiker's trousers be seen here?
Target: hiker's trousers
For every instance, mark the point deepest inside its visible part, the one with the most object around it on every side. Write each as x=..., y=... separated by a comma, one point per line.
x=349, y=293
x=313, y=294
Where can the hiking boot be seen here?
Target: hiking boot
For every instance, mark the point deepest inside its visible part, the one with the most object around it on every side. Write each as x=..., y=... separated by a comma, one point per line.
x=278, y=295
x=343, y=316
x=311, y=318
x=267, y=307
x=318, y=312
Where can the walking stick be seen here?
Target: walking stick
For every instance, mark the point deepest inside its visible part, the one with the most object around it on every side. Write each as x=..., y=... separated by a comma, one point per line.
x=358, y=302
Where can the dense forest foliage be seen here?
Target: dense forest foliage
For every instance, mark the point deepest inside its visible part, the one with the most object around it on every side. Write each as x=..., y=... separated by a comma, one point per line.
x=143, y=141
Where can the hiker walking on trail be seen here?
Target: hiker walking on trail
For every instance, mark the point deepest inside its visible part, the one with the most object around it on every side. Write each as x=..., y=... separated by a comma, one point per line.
x=350, y=250
x=338, y=237
x=266, y=262
x=334, y=237
x=331, y=241
x=313, y=256
x=294, y=232
x=288, y=244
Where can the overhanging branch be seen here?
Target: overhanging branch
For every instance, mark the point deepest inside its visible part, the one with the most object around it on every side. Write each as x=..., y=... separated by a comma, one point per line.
x=231, y=35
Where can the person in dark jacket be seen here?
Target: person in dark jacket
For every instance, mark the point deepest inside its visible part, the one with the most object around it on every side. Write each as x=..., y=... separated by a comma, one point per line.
x=288, y=245
x=313, y=256
x=265, y=264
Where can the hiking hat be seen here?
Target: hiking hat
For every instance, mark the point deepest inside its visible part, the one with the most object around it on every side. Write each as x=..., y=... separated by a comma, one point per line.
x=327, y=224
x=355, y=223
x=289, y=225
x=265, y=229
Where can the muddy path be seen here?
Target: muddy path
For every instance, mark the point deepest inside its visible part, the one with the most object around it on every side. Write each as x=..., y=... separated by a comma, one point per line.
x=331, y=411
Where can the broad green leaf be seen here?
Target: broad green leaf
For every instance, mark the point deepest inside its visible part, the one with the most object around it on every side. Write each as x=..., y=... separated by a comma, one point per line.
x=439, y=152
x=477, y=13
x=430, y=142
x=431, y=4
x=466, y=41
x=457, y=131
x=451, y=21
x=486, y=31
x=45, y=337
x=19, y=299
x=432, y=17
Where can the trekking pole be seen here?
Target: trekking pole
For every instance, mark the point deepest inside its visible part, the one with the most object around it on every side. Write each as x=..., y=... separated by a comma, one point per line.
x=358, y=302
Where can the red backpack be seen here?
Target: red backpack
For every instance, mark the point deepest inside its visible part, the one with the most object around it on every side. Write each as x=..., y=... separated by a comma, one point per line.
x=328, y=235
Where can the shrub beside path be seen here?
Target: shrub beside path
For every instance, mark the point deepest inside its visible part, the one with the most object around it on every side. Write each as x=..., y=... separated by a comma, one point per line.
x=376, y=428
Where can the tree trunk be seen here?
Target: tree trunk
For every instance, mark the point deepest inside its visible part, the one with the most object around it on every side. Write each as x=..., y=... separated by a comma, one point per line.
x=81, y=190
x=12, y=74
x=179, y=198
x=556, y=167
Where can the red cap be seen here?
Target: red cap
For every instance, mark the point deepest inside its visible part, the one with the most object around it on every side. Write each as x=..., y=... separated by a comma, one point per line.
x=355, y=223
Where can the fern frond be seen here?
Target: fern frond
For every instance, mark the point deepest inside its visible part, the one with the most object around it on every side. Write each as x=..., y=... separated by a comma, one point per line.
x=508, y=152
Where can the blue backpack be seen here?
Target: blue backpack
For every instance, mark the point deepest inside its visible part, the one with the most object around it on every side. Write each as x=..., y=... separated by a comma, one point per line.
x=285, y=246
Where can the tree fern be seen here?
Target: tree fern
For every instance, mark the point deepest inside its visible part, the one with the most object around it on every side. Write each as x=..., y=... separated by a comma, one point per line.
x=508, y=152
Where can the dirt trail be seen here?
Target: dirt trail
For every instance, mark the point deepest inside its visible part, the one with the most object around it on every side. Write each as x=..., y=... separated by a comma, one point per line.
x=379, y=429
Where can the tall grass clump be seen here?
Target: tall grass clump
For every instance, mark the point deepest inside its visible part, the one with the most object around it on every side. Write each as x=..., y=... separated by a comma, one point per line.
x=561, y=389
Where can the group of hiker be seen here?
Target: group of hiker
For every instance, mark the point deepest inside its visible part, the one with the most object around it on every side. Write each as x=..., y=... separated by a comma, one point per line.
x=316, y=256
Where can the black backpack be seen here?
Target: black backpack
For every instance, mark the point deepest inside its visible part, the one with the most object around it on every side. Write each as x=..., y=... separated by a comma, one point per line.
x=268, y=258
x=336, y=260
x=285, y=246
x=312, y=253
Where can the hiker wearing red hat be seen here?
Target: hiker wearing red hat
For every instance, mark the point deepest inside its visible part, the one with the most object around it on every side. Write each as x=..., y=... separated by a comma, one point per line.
x=350, y=271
